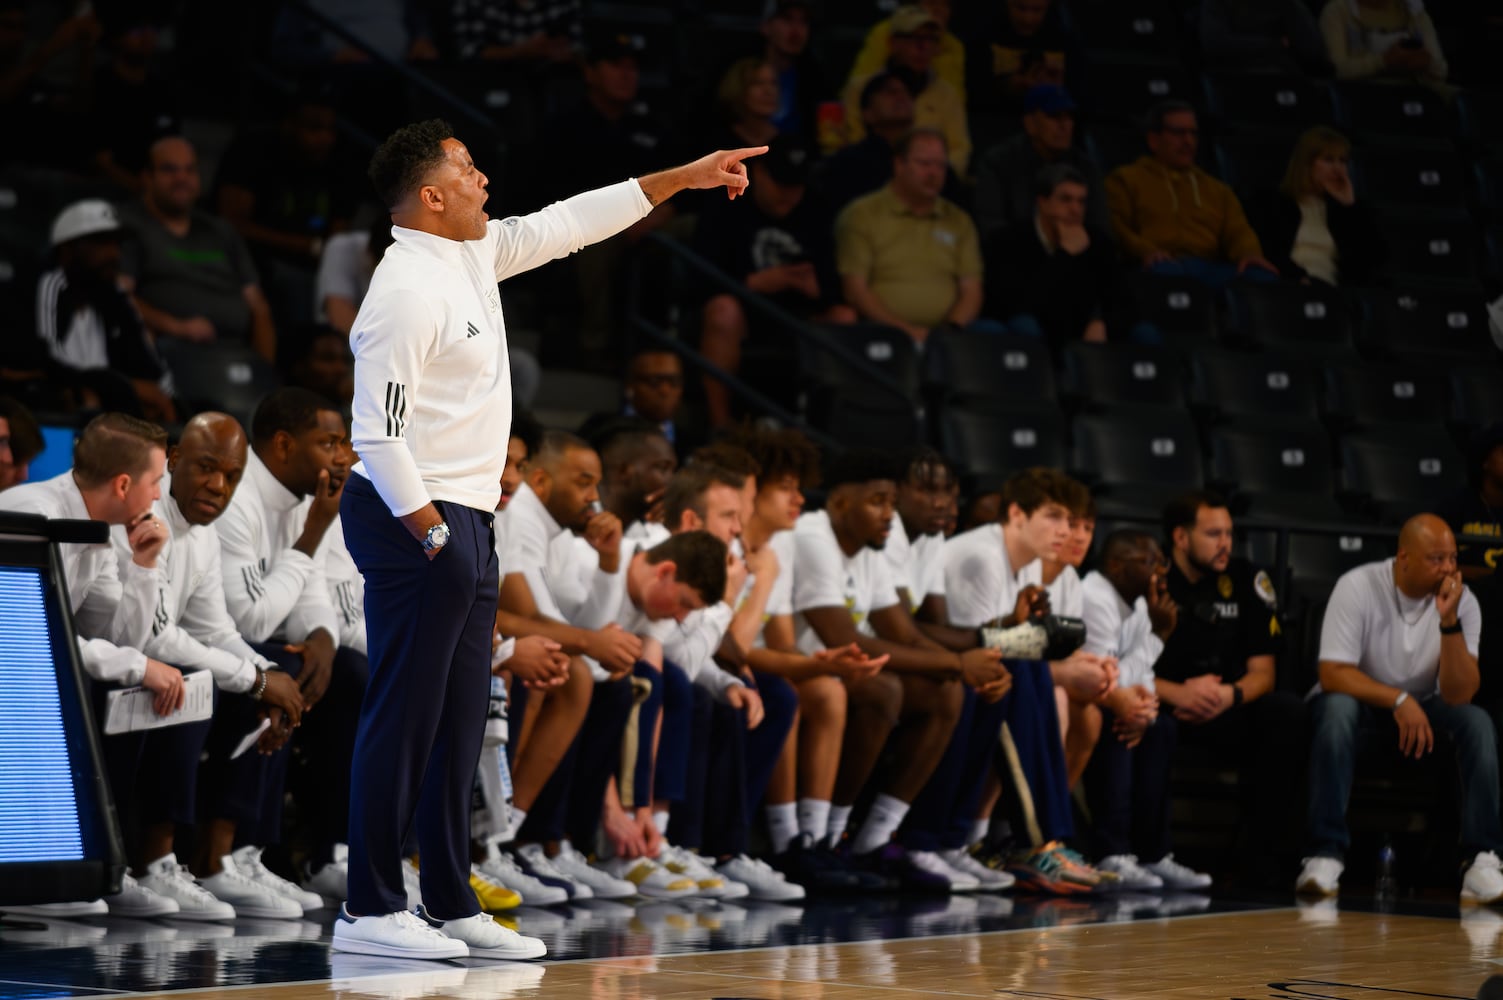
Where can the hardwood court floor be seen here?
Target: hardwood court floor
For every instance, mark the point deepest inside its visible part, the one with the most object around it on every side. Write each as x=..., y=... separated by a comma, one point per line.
x=1054, y=950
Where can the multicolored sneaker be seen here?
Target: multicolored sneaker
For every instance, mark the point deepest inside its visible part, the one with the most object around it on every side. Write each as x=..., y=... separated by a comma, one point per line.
x=1082, y=871
x=1043, y=869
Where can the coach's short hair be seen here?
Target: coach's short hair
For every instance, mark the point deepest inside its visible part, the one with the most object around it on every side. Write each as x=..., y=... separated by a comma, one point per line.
x=115, y=444
x=404, y=159
x=687, y=489
x=291, y=409
x=555, y=445
x=699, y=559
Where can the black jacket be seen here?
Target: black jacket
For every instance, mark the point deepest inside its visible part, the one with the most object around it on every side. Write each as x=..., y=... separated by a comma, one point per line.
x=1360, y=248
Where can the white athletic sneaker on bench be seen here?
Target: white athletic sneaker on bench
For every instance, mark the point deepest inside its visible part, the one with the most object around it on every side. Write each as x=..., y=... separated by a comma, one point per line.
x=136, y=900
x=1320, y=877
x=248, y=863
x=1178, y=876
x=247, y=897
x=763, y=881
x=394, y=935
x=1483, y=882
x=486, y=938
x=710, y=883
x=167, y=878
x=1134, y=877
x=573, y=866
x=989, y=879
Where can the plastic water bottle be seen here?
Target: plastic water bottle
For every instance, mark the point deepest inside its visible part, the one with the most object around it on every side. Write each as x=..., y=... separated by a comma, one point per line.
x=1385, y=886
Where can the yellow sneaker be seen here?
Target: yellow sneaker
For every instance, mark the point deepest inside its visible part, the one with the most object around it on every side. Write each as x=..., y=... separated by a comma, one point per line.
x=494, y=897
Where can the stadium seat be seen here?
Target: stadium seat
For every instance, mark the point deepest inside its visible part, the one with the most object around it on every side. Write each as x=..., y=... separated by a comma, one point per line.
x=1481, y=118
x=1365, y=394
x=1308, y=319
x=1272, y=387
x=1183, y=309
x=858, y=418
x=1251, y=164
x=1448, y=325
x=1122, y=374
x=1394, y=113
x=1317, y=561
x=1476, y=395
x=1271, y=103
x=1414, y=180
x=985, y=367
x=885, y=348
x=990, y=443
x=1143, y=27
x=1112, y=145
x=227, y=377
x=1434, y=252
x=1121, y=452
x=1400, y=471
x=1122, y=89
x=1291, y=459
x=1283, y=509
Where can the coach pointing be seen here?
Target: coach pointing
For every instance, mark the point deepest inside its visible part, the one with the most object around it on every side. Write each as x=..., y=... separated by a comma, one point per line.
x=431, y=417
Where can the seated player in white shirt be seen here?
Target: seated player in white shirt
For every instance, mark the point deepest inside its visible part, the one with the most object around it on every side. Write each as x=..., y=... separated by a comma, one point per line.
x=1398, y=664
x=272, y=560
x=992, y=577
x=1129, y=615
x=844, y=593
x=119, y=462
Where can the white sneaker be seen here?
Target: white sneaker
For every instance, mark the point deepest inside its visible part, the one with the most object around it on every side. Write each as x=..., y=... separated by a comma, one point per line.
x=60, y=911
x=332, y=881
x=1133, y=876
x=710, y=883
x=1483, y=882
x=931, y=863
x=1481, y=927
x=173, y=881
x=537, y=864
x=500, y=868
x=990, y=879
x=762, y=881
x=1178, y=876
x=394, y=935
x=248, y=863
x=651, y=879
x=413, y=883
x=248, y=897
x=1320, y=877
x=486, y=938
x=572, y=865
x=136, y=900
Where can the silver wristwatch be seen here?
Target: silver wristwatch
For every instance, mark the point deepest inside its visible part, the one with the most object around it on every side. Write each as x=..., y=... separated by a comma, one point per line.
x=436, y=538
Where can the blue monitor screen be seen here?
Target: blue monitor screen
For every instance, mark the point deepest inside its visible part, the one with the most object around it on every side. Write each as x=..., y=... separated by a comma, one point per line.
x=39, y=806
x=57, y=453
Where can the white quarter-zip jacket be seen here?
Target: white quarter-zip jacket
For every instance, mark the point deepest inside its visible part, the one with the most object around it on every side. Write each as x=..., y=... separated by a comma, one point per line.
x=1116, y=628
x=432, y=409
x=113, y=603
x=192, y=629
x=272, y=590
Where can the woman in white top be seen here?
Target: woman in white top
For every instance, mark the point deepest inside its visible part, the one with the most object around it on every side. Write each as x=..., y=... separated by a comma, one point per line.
x=1392, y=39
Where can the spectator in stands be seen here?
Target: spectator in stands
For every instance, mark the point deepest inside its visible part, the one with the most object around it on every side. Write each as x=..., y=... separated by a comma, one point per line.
x=802, y=84
x=133, y=105
x=1383, y=39
x=46, y=80
x=1217, y=673
x=280, y=185
x=777, y=244
x=909, y=258
x=1399, y=641
x=396, y=30
x=1476, y=510
x=613, y=132
x=1172, y=217
x=949, y=59
x=1262, y=35
x=1129, y=615
x=20, y=442
x=191, y=275
x=1016, y=45
x=1053, y=276
x=94, y=338
x=914, y=38
x=1315, y=229
x=1007, y=174
x=748, y=100
x=515, y=31
x=344, y=272
x=324, y=365
x=654, y=390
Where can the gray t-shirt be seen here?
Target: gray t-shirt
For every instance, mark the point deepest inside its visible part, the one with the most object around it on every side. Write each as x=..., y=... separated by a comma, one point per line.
x=202, y=274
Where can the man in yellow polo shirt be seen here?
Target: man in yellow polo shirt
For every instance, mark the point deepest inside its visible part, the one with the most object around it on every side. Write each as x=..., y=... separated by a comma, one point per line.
x=907, y=257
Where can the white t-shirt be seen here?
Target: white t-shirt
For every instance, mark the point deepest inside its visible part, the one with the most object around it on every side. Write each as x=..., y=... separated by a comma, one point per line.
x=825, y=577
x=344, y=270
x=1115, y=628
x=918, y=565
x=1065, y=595
x=980, y=583
x=1391, y=638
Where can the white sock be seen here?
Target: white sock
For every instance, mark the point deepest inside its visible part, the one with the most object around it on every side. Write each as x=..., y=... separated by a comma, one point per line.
x=782, y=825
x=518, y=817
x=814, y=818
x=840, y=818
x=660, y=820
x=979, y=829
x=881, y=823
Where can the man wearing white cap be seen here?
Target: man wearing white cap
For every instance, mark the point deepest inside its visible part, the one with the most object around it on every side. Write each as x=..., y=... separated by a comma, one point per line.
x=95, y=342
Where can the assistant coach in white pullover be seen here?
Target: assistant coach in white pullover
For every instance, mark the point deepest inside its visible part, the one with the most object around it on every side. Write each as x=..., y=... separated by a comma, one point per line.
x=431, y=414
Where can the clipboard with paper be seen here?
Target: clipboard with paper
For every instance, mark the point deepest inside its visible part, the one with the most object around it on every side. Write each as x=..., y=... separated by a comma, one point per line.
x=129, y=710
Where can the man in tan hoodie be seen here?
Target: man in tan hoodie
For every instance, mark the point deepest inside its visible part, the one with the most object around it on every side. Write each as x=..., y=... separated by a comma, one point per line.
x=1174, y=218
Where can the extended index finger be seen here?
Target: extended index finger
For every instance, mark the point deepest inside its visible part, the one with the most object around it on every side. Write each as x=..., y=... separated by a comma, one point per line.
x=737, y=155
